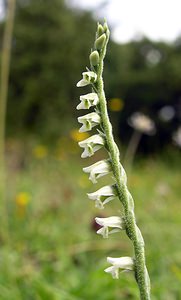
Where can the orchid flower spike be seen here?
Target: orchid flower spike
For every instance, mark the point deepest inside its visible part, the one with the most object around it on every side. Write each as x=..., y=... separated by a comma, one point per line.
x=103, y=196
x=125, y=263
x=104, y=138
x=91, y=145
x=88, y=100
x=98, y=170
x=89, y=121
x=88, y=78
x=114, y=222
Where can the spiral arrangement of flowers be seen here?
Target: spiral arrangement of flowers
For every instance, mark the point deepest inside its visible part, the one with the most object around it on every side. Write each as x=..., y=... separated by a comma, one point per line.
x=104, y=138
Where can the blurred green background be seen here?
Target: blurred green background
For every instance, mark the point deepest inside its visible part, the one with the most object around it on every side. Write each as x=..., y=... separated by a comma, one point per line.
x=49, y=247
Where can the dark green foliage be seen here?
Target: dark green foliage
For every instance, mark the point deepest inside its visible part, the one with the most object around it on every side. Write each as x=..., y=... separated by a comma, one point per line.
x=146, y=76
x=51, y=47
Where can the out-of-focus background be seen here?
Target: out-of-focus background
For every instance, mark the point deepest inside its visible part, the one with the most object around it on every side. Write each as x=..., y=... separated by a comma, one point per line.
x=49, y=246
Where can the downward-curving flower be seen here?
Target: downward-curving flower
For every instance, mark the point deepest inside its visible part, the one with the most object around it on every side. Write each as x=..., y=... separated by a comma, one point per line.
x=88, y=100
x=124, y=263
x=103, y=196
x=91, y=145
x=98, y=170
x=88, y=78
x=114, y=222
x=89, y=121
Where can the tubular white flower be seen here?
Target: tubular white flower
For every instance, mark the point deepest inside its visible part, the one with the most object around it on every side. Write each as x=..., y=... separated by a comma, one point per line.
x=125, y=263
x=88, y=78
x=114, y=222
x=88, y=100
x=103, y=196
x=91, y=145
x=98, y=170
x=89, y=121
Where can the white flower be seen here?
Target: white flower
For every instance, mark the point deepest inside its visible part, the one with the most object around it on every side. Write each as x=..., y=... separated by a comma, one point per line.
x=91, y=145
x=89, y=121
x=142, y=123
x=88, y=78
x=88, y=100
x=103, y=196
x=166, y=113
x=98, y=170
x=114, y=222
x=125, y=263
x=177, y=137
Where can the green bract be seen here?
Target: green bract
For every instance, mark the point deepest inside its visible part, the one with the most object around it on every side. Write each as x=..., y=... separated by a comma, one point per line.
x=94, y=58
x=100, y=30
x=100, y=42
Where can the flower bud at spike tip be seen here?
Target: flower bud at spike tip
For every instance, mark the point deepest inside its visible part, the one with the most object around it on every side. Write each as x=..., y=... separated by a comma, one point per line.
x=99, y=43
x=105, y=27
x=100, y=30
x=94, y=58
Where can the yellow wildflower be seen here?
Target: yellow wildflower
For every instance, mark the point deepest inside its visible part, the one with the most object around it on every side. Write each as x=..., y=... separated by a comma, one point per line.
x=115, y=104
x=77, y=136
x=40, y=151
x=177, y=271
x=22, y=199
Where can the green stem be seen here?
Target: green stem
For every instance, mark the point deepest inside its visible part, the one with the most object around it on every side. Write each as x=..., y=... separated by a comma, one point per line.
x=124, y=195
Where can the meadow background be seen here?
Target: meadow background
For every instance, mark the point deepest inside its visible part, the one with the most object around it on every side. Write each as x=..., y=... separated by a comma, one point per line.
x=49, y=248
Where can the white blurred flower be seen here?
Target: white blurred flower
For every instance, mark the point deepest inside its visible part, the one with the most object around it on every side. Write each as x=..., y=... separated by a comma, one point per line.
x=153, y=57
x=177, y=137
x=114, y=222
x=103, y=196
x=125, y=263
x=89, y=121
x=142, y=123
x=166, y=113
x=91, y=145
x=88, y=100
x=88, y=78
x=98, y=170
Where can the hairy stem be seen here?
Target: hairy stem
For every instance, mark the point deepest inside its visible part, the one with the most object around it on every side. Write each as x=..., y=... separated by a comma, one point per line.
x=124, y=195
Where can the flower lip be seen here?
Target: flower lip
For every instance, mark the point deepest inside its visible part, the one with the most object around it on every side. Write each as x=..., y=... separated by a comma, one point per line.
x=121, y=262
x=87, y=101
x=89, y=121
x=113, y=222
x=98, y=170
x=125, y=263
x=91, y=145
x=88, y=78
x=103, y=196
